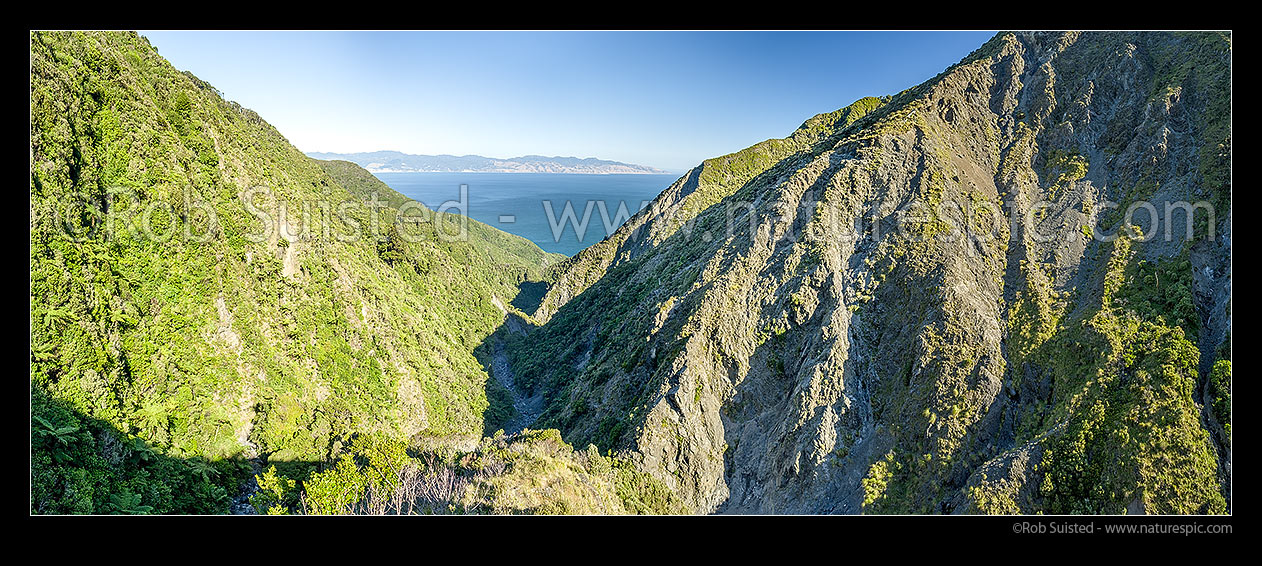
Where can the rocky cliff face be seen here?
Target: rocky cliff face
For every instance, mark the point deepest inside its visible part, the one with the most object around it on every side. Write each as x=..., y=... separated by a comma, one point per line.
x=924, y=302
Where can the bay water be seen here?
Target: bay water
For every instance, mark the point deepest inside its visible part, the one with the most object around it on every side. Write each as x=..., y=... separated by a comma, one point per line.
x=561, y=213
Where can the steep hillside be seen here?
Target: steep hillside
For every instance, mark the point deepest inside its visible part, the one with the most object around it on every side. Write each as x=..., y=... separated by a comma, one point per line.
x=920, y=303
x=805, y=325
x=203, y=293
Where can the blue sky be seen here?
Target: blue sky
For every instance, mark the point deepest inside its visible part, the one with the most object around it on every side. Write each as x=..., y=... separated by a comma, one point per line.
x=665, y=99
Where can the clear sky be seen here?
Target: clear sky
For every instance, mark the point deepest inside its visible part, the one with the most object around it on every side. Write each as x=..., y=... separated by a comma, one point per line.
x=664, y=99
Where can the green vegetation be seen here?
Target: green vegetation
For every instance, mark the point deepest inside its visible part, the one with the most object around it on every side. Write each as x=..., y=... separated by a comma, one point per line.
x=276, y=493
x=1063, y=168
x=1035, y=313
x=1123, y=389
x=349, y=375
x=1161, y=291
x=715, y=179
x=593, y=286
x=84, y=465
x=877, y=482
x=534, y=472
x=199, y=342
x=624, y=318
x=1220, y=394
x=993, y=499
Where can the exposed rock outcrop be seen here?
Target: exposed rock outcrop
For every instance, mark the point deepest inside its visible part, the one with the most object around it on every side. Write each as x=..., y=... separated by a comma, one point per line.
x=923, y=303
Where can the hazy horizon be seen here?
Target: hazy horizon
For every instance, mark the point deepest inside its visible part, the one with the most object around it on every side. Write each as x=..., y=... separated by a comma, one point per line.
x=495, y=157
x=661, y=99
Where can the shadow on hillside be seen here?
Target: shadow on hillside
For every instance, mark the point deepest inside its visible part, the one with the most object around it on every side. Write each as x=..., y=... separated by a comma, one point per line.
x=508, y=407
x=84, y=465
x=530, y=295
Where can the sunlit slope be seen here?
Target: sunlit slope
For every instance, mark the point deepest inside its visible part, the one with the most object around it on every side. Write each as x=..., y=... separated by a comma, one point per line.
x=765, y=338
x=277, y=329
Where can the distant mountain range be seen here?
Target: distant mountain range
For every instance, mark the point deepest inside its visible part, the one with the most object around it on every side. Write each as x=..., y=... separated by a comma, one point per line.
x=399, y=162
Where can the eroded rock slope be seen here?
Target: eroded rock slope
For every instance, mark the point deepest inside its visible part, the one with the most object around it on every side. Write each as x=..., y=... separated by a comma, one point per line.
x=924, y=302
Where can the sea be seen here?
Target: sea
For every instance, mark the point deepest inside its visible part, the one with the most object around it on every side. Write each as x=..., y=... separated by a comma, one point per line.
x=561, y=213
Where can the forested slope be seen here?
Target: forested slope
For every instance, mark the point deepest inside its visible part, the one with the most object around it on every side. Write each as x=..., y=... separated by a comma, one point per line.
x=200, y=296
